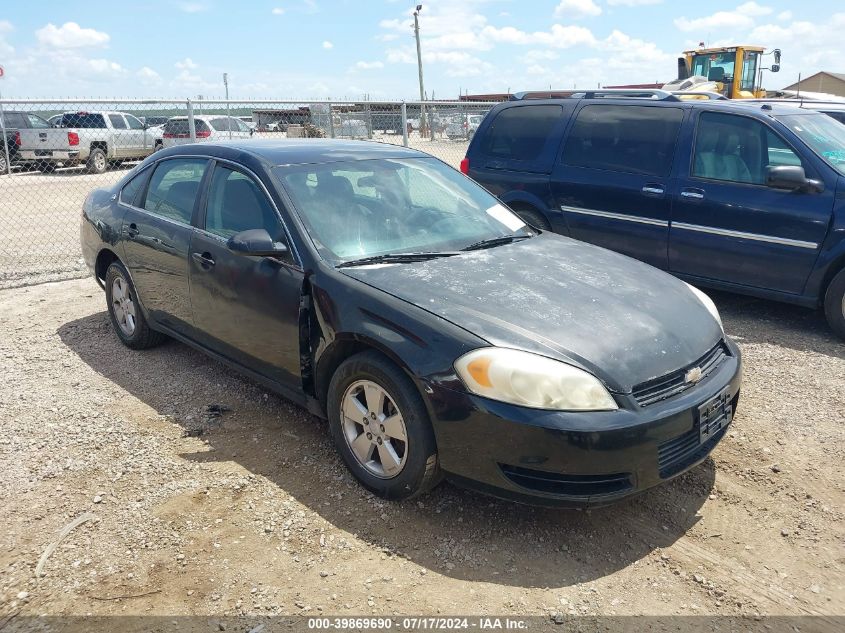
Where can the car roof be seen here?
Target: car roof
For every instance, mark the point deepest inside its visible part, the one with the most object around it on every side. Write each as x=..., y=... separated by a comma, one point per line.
x=299, y=151
x=806, y=104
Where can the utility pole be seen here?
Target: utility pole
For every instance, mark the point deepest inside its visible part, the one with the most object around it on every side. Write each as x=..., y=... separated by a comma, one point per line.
x=419, y=66
x=228, y=118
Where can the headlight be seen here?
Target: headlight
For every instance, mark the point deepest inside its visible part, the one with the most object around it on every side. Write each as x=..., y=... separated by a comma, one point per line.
x=708, y=303
x=533, y=381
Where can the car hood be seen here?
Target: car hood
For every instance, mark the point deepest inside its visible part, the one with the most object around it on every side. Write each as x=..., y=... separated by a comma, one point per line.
x=623, y=320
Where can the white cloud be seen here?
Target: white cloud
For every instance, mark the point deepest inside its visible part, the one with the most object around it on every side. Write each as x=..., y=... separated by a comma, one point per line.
x=70, y=35
x=576, y=9
x=535, y=56
x=387, y=37
x=328, y=45
x=6, y=27
x=193, y=7
x=785, y=15
x=632, y=3
x=148, y=74
x=186, y=64
x=105, y=67
x=536, y=69
x=278, y=11
x=741, y=18
x=558, y=36
x=6, y=49
x=368, y=65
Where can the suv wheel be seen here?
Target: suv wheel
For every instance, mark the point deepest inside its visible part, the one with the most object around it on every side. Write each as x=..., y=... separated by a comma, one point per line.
x=97, y=161
x=381, y=428
x=127, y=317
x=834, y=303
x=534, y=218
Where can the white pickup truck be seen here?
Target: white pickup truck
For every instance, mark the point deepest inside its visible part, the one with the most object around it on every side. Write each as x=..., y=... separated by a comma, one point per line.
x=89, y=138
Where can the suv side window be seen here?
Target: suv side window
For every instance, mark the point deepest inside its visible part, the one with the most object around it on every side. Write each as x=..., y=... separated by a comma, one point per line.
x=737, y=149
x=632, y=139
x=521, y=132
x=173, y=188
x=134, y=124
x=237, y=203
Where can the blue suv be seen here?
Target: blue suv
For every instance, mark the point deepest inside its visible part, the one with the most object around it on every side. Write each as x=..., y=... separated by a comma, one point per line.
x=745, y=197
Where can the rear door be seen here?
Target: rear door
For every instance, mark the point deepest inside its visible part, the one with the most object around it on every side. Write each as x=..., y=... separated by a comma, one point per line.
x=612, y=182
x=157, y=236
x=727, y=225
x=121, y=136
x=246, y=308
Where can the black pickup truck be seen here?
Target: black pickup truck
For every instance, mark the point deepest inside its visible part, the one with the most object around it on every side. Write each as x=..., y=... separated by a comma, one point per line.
x=12, y=123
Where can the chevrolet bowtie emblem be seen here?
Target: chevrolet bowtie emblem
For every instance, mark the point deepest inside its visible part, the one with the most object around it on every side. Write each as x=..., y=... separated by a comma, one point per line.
x=693, y=375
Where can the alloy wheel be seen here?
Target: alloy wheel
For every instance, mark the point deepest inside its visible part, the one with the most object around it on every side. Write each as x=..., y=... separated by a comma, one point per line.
x=374, y=429
x=123, y=306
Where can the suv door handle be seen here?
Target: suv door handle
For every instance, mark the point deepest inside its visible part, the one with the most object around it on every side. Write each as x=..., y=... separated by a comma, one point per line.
x=203, y=259
x=132, y=230
x=695, y=194
x=654, y=189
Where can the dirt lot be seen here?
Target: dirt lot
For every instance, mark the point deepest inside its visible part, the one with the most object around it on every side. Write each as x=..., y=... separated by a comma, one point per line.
x=253, y=513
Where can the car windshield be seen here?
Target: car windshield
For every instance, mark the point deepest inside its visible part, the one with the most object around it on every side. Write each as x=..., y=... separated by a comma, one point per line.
x=824, y=135
x=364, y=208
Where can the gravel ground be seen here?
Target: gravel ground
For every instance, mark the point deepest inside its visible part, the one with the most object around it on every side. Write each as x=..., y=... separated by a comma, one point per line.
x=251, y=512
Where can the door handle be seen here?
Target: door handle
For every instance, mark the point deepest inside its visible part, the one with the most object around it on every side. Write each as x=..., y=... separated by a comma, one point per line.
x=203, y=259
x=654, y=189
x=132, y=230
x=694, y=194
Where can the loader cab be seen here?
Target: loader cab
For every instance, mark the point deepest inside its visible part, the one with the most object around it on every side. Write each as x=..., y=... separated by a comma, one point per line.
x=735, y=72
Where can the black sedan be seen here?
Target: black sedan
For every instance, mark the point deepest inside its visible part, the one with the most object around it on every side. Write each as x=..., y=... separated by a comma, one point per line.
x=437, y=333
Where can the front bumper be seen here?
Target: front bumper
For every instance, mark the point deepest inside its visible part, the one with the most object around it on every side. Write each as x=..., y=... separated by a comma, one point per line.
x=578, y=459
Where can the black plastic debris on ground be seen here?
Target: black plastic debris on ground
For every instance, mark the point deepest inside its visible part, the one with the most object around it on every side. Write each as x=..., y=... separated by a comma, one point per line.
x=212, y=417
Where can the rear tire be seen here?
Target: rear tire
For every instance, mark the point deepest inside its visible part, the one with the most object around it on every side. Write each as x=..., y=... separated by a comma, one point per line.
x=372, y=405
x=834, y=304
x=534, y=218
x=97, y=162
x=127, y=315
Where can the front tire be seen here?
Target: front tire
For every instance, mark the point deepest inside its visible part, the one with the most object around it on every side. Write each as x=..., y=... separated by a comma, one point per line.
x=381, y=428
x=97, y=162
x=533, y=218
x=124, y=307
x=834, y=304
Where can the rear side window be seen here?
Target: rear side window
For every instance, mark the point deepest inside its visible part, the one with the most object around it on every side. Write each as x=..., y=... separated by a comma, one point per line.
x=117, y=122
x=521, y=132
x=223, y=125
x=173, y=188
x=83, y=120
x=631, y=139
x=130, y=191
x=13, y=120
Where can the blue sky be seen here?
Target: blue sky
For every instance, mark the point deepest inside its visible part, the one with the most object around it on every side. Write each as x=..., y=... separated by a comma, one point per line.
x=309, y=49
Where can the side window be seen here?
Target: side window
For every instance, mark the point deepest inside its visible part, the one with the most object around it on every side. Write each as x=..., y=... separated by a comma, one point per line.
x=631, y=139
x=521, y=132
x=117, y=121
x=737, y=149
x=130, y=191
x=839, y=116
x=221, y=125
x=13, y=120
x=134, y=124
x=173, y=188
x=237, y=203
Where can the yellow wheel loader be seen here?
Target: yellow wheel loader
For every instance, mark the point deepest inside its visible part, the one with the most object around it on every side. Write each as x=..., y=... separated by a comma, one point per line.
x=733, y=71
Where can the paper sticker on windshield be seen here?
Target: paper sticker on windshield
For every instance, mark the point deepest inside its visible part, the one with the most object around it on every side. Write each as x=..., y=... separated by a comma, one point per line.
x=508, y=218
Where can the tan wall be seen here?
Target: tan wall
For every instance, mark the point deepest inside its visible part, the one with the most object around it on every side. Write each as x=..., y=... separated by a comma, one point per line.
x=821, y=83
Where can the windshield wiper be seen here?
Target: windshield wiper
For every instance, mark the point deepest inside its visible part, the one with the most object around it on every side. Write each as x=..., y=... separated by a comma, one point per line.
x=495, y=241
x=396, y=258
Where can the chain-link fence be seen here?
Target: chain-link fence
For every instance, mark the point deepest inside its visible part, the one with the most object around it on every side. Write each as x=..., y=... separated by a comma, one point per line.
x=55, y=152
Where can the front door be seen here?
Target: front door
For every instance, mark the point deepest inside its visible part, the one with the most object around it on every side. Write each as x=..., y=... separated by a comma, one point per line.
x=246, y=308
x=157, y=238
x=612, y=182
x=728, y=226
x=140, y=145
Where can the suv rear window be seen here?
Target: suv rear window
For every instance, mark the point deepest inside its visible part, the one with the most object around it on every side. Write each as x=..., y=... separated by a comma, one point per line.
x=629, y=138
x=521, y=132
x=83, y=120
x=179, y=127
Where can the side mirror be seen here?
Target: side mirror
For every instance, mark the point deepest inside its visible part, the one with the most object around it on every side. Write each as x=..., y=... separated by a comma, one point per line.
x=774, y=68
x=790, y=177
x=251, y=131
x=777, y=59
x=255, y=242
